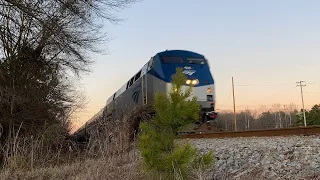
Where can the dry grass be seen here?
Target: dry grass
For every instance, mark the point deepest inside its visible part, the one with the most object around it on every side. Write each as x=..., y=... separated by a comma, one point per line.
x=125, y=166
x=51, y=156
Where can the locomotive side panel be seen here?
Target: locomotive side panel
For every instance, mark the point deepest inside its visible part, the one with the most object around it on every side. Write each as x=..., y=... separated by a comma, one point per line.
x=154, y=85
x=129, y=99
x=148, y=87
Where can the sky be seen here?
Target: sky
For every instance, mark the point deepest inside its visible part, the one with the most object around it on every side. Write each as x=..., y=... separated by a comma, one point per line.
x=267, y=46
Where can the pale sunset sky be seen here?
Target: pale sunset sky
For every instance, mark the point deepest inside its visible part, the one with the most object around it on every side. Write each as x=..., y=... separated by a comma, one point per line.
x=267, y=46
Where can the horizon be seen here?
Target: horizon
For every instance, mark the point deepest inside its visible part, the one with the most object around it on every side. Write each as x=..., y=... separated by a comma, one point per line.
x=267, y=47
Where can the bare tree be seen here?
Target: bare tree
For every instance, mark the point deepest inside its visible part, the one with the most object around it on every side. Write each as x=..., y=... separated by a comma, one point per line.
x=61, y=30
x=275, y=111
x=40, y=43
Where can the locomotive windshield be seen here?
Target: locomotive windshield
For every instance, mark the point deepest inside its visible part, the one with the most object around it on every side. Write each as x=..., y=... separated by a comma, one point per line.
x=171, y=59
x=196, y=60
x=179, y=60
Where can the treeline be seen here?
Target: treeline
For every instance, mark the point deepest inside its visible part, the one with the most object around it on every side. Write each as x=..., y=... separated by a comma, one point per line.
x=276, y=117
x=44, y=48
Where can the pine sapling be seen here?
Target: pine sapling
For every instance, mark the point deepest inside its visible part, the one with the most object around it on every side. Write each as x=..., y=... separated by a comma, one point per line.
x=161, y=156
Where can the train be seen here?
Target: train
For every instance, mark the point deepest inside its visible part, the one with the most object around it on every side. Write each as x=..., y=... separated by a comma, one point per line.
x=154, y=76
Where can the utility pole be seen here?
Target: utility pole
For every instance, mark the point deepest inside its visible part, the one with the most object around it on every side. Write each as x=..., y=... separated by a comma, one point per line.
x=234, y=108
x=247, y=118
x=285, y=115
x=304, y=112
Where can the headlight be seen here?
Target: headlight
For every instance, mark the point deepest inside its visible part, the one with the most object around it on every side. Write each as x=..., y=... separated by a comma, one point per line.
x=195, y=82
x=209, y=90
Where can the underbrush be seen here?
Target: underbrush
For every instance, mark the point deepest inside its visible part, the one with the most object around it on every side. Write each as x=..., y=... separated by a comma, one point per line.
x=28, y=158
x=51, y=155
x=124, y=166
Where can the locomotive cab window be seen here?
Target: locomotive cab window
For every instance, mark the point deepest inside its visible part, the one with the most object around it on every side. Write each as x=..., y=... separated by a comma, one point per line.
x=196, y=61
x=171, y=59
x=150, y=62
x=131, y=81
x=137, y=76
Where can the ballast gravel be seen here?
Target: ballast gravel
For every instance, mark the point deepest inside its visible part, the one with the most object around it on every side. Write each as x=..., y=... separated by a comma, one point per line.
x=290, y=157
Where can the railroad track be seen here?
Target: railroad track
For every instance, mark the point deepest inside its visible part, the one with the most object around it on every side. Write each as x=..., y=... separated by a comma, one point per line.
x=306, y=131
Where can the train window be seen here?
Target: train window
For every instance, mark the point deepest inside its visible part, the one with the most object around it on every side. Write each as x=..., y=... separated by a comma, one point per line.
x=150, y=62
x=196, y=60
x=137, y=76
x=131, y=81
x=167, y=59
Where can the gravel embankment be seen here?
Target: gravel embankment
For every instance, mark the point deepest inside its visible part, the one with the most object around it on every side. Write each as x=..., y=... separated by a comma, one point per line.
x=294, y=157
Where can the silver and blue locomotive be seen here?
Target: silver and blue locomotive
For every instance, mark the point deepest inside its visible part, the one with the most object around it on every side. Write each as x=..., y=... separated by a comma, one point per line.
x=155, y=76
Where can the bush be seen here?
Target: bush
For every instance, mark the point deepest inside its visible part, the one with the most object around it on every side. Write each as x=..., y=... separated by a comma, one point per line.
x=161, y=157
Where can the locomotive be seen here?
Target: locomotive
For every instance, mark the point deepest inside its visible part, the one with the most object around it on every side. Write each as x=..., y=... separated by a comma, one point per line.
x=155, y=76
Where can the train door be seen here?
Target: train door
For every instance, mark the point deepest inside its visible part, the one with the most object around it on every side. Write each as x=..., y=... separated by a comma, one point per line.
x=144, y=89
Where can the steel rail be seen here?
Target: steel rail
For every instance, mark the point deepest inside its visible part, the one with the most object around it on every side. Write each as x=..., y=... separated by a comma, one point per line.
x=306, y=131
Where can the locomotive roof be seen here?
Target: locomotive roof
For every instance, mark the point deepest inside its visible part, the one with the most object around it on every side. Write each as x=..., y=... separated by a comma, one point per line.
x=179, y=53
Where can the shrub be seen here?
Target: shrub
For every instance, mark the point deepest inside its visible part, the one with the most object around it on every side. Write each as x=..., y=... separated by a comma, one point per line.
x=312, y=117
x=161, y=157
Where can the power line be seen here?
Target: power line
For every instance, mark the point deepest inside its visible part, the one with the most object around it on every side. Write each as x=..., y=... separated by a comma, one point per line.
x=283, y=91
x=245, y=105
x=291, y=88
x=278, y=93
x=230, y=93
x=310, y=93
x=314, y=83
x=264, y=84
